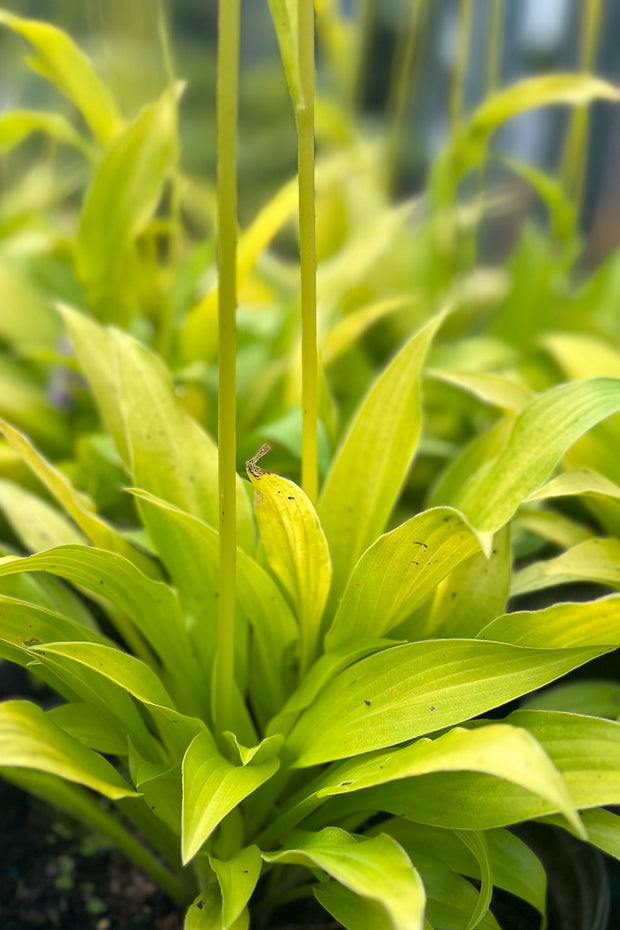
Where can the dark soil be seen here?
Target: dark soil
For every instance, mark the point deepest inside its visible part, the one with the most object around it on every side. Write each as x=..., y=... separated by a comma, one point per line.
x=52, y=876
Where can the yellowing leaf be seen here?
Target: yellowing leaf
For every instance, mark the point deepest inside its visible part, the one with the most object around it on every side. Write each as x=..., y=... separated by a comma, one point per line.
x=497, y=390
x=295, y=549
x=467, y=147
x=565, y=624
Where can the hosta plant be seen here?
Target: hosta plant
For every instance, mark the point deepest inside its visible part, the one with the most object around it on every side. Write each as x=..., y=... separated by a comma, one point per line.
x=288, y=700
x=364, y=662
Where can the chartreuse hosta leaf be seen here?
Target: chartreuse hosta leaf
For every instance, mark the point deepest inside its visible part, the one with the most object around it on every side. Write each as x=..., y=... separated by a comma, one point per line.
x=576, y=481
x=467, y=148
x=100, y=731
x=450, y=901
x=398, y=572
x=497, y=390
x=150, y=605
x=28, y=739
x=503, y=751
x=370, y=466
x=23, y=626
x=60, y=61
x=561, y=625
x=590, y=560
x=77, y=505
x=473, y=594
x=17, y=125
x=375, y=868
x=585, y=750
x=122, y=198
x=115, y=677
x=597, y=698
x=418, y=688
x=514, y=866
x=541, y=435
x=295, y=549
x=237, y=878
x=162, y=446
x=603, y=830
x=258, y=596
x=213, y=786
x=206, y=912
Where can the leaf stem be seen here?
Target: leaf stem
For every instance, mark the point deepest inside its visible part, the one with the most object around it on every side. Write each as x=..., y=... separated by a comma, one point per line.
x=304, y=117
x=229, y=16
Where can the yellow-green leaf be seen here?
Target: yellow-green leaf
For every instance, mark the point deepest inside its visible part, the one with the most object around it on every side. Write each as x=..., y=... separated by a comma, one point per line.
x=60, y=61
x=28, y=739
x=237, y=878
x=541, y=435
x=17, y=125
x=295, y=549
x=371, y=464
x=376, y=868
x=122, y=198
x=417, y=688
x=398, y=572
x=212, y=787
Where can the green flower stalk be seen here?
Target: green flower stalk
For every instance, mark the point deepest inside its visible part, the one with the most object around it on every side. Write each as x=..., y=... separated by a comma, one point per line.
x=227, y=107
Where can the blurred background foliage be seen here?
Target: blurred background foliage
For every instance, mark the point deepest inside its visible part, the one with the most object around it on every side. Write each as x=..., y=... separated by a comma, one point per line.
x=518, y=237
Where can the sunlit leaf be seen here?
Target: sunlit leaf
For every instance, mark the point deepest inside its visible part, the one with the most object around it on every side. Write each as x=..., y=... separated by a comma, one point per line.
x=373, y=459
x=548, y=426
x=515, y=867
x=474, y=593
x=561, y=625
x=375, y=868
x=398, y=572
x=212, y=787
x=30, y=740
x=237, y=879
x=417, y=688
x=295, y=549
x=60, y=61
x=591, y=560
x=120, y=201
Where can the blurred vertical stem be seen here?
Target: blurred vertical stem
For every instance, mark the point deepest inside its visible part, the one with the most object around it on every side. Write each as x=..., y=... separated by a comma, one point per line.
x=304, y=117
x=460, y=64
x=164, y=335
x=496, y=44
x=227, y=110
x=574, y=156
x=400, y=85
x=366, y=20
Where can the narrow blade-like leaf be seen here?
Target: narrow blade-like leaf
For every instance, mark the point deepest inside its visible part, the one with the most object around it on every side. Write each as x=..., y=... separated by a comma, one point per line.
x=371, y=464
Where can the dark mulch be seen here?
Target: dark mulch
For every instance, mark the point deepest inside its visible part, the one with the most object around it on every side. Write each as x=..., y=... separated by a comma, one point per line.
x=53, y=876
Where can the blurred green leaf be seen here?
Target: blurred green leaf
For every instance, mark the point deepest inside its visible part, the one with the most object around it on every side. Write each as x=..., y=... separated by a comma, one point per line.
x=62, y=63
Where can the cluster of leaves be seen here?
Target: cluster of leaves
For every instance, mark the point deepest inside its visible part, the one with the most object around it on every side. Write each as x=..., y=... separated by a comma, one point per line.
x=365, y=655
